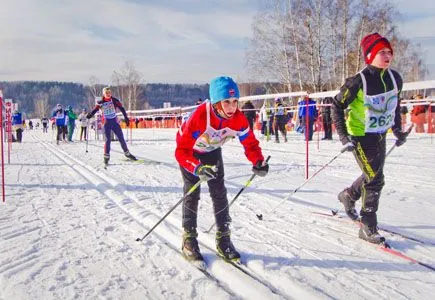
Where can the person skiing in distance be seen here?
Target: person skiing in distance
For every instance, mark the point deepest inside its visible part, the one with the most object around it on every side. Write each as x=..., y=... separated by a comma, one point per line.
x=44, y=122
x=372, y=97
x=60, y=116
x=199, y=154
x=108, y=106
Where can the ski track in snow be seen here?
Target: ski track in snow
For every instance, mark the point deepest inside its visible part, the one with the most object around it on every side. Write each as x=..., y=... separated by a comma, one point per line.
x=74, y=237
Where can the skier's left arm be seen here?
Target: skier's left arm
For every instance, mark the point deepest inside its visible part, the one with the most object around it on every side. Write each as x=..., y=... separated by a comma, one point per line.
x=121, y=108
x=397, y=127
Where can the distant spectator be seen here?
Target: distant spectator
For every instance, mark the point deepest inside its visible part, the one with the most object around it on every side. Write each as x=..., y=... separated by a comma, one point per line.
x=72, y=117
x=17, y=125
x=403, y=113
x=248, y=110
x=326, y=118
x=307, y=117
x=84, y=123
x=418, y=115
x=265, y=118
x=279, y=120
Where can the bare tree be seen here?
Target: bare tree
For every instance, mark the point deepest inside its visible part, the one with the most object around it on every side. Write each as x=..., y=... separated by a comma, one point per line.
x=128, y=82
x=41, y=105
x=93, y=90
x=311, y=44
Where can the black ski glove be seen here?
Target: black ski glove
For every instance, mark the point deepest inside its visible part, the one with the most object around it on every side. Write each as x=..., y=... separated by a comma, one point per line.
x=261, y=168
x=401, y=138
x=348, y=144
x=206, y=172
x=88, y=116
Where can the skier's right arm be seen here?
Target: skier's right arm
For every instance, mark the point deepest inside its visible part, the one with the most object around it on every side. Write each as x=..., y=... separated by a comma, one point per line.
x=186, y=138
x=348, y=93
x=93, y=112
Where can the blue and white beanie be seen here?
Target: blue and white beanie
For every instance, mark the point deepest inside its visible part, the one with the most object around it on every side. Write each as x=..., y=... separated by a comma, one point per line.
x=221, y=88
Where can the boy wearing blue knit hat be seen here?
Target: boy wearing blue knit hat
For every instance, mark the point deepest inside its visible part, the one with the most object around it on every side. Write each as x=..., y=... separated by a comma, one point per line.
x=199, y=154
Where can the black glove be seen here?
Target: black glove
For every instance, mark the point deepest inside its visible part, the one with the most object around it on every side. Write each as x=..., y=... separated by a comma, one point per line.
x=88, y=116
x=401, y=138
x=127, y=122
x=261, y=168
x=348, y=144
x=206, y=172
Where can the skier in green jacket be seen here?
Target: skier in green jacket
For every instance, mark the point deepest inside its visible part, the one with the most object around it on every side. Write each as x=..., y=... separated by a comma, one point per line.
x=372, y=97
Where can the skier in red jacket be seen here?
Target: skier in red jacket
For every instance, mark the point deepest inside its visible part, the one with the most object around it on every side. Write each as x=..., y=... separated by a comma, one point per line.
x=199, y=154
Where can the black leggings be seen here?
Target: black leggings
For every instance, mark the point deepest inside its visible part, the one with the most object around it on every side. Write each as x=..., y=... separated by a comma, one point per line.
x=218, y=193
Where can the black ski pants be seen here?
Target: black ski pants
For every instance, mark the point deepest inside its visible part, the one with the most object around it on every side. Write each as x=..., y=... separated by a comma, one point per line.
x=327, y=126
x=370, y=154
x=217, y=189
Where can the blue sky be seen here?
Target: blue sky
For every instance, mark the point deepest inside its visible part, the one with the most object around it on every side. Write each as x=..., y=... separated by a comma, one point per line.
x=187, y=41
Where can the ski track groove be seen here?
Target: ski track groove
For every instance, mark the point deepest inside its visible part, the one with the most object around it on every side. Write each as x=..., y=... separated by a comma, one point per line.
x=102, y=188
x=376, y=252
x=423, y=247
x=297, y=203
x=318, y=234
x=342, y=280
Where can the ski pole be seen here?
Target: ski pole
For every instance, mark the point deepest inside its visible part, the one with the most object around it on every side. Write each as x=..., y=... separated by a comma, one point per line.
x=260, y=216
x=86, y=143
x=192, y=189
x=248, y=183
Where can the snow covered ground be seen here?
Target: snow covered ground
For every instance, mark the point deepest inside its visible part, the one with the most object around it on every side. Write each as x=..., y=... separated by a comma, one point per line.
x=68, y=227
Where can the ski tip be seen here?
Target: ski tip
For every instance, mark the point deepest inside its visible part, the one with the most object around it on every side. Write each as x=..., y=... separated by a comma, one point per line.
x=200, y=264
x=334, y=212
x=260, y=217
x=385, y=244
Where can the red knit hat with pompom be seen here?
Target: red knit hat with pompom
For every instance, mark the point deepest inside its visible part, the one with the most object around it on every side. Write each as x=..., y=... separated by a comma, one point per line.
x=371, y=44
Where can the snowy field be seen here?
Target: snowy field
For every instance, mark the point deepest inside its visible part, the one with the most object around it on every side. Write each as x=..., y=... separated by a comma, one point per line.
x=68, y=227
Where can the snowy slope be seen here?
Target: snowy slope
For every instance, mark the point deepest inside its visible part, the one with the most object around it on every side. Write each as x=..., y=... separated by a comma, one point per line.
x=68, y=228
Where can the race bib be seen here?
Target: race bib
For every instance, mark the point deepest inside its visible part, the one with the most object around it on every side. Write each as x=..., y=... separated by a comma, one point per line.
x=380, y=111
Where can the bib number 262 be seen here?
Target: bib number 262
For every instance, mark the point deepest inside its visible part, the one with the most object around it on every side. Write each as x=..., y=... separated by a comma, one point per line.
x=380, y=121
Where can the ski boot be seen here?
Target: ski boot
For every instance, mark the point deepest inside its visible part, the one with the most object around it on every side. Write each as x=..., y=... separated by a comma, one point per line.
x=129, y=155
x=370, y=234
x=225, y=247
x=349, y=204
x=190, y=247
x=106, y=159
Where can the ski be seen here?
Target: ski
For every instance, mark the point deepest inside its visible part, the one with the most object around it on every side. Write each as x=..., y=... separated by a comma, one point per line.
x=384, y=246
x=390, y=231
x=239, y=265
x=199, y=264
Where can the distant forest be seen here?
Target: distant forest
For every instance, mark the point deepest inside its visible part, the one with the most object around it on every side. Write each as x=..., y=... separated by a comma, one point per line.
x=29, y=95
